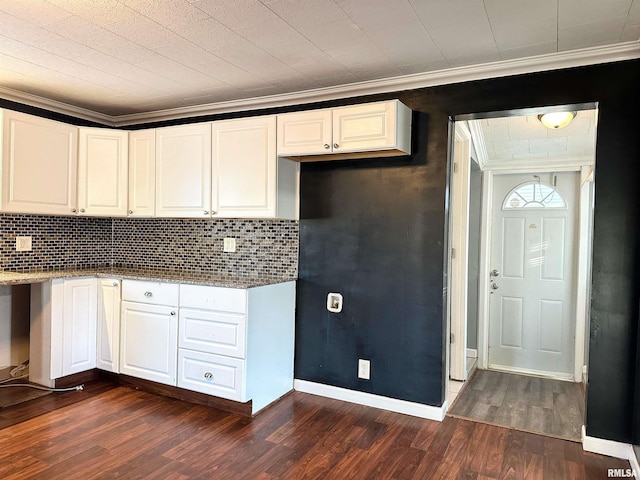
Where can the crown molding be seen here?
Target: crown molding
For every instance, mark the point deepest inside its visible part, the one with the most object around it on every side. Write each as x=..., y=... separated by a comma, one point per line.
x=540, y=63
x=477, y=137
x=55, y=106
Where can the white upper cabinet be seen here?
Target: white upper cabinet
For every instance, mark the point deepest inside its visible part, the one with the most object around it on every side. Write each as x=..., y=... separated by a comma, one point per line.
x=360, y=131
x=39, y=162
x=183, y=171
x=244, y=167
x=142, y=173
x=305, y=133
x=102, y=172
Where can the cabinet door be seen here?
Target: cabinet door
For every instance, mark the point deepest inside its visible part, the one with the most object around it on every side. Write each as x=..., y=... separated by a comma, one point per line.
x=39, y=165
x=102, y=172
x=79, y=325
x=108, y=344
x=364, y=127
x=305, y=133
x=244, y=164
x=149, y=342
x=142, y=173
x=183, y=171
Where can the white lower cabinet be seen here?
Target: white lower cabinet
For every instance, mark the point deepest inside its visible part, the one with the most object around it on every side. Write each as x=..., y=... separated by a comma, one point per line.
x=108, y=344
x=237, y=343
x=63, y=328
x=212, y=374
x=149, y=332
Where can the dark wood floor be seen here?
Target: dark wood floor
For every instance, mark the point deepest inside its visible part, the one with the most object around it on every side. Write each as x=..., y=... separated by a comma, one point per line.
x=116, y=432
x=533, y=404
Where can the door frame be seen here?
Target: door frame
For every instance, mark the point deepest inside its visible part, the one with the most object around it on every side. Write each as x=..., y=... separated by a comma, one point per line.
x=583, y=255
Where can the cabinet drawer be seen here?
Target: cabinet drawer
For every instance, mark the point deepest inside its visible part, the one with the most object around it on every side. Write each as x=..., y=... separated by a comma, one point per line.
x=213, y=298
x=212, y=332
x=154, y=293
x=211, y=374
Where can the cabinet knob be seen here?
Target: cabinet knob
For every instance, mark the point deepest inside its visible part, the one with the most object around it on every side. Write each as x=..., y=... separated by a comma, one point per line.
x=208, y=376
x=115, y=284
x=327, y=146
x=73, y=210
x=206, y=212
x=335, y=145
x=82, y=210
x=130, y=212
x=148, y=294
x=173, y=314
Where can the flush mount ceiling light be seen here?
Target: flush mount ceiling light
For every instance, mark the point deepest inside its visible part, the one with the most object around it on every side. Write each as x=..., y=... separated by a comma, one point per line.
x=557, y=119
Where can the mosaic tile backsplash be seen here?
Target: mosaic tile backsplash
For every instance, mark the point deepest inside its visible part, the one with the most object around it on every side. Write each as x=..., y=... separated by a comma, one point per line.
x=57, y=242
x=263, y=247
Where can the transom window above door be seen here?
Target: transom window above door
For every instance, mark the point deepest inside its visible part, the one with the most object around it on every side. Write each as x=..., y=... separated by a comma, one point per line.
x=534, y=194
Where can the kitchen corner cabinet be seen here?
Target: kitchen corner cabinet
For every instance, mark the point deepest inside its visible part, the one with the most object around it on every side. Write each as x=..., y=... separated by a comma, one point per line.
x=359, y=131
x=102, y=172
x=108, y=326
x=142, y=173
x=39, y=165
x=246, y=171
x=183, y=171
x=63, y=328
x=149, y=330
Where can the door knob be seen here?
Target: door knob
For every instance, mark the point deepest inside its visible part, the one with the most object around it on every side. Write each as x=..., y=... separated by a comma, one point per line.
x=494, y=273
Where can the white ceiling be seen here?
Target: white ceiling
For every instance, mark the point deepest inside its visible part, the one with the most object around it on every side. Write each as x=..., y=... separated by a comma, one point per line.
x=120, y=57
x=511, y=142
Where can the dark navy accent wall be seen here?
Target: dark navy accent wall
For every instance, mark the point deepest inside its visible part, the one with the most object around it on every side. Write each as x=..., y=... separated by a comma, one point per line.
x=373, y=230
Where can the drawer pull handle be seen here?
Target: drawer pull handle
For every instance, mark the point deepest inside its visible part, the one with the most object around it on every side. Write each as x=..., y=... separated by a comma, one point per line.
x=208, y=376
x=148, y=294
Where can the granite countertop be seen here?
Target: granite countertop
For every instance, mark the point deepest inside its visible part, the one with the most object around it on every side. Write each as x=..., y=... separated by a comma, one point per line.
x=155, y=275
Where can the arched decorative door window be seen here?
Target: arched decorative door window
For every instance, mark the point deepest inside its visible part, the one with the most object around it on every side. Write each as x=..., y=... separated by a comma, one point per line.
x=534, y=194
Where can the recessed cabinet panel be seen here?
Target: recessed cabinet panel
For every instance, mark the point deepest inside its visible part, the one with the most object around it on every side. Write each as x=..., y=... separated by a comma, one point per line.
x=212, y=332
x=149, y=341
x=79, y=325
x=244, y=163
x=102, y=172
x=364, y=127
x=142, y=173
x=108, y=345
x=39, y=165
x=305, y=133
x=183, y=171
x=212, y=374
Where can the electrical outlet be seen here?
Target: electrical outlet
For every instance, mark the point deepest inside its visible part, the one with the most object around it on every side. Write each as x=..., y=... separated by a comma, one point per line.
x=229, y=245
x=364, y=369
x=23, y=244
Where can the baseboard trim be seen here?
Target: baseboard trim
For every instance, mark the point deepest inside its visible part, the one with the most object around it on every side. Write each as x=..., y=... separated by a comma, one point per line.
x=610, y=448
x=472, y=352
x=362, y=398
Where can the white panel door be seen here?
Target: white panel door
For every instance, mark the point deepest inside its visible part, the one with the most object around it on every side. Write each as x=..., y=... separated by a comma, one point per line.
x=149, y=342
x=532, y=300
x=183, y=171
x=39, y=165
x=79, y=325
x=142, y=173
x=108, y=344
x=102, y=172
x=371, y=126
x=305, y=133
x=244, y=166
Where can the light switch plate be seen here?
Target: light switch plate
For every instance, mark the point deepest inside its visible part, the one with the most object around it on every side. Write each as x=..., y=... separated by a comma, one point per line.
x=23, y=244
x=229, y=245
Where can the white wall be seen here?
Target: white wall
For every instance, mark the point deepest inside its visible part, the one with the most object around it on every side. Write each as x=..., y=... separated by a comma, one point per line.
x=14, y=325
